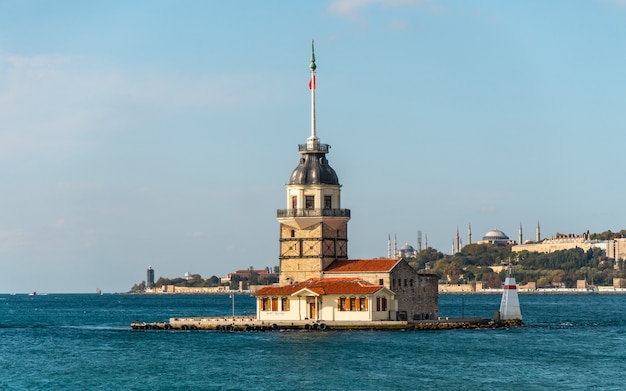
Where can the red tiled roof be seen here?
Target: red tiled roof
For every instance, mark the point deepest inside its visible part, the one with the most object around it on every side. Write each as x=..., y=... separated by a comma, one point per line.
x=324, y=286
x=362, y=265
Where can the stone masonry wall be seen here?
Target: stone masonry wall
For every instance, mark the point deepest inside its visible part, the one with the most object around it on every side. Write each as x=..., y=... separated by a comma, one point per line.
x=417, y=293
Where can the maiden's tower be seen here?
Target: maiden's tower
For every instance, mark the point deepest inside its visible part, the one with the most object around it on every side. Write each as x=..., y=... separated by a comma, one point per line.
x=318, y=282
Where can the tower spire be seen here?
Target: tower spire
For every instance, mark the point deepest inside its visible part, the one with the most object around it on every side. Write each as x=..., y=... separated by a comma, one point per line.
x=312, y=86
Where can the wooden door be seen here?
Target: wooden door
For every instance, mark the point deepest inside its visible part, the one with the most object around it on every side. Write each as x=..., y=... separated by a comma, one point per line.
x=312, y=311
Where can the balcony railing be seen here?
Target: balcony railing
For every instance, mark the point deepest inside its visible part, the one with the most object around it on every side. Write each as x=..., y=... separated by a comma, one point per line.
x=313, y=213
x=314, y=147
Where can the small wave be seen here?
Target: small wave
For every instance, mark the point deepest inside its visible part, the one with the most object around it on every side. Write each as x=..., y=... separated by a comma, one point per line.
x=99, y=327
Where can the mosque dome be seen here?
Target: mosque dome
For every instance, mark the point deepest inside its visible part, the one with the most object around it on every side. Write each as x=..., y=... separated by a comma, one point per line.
x=495, y=234
x=407, y=251
x=497, y=237
x=313, y=170
x=407, y=247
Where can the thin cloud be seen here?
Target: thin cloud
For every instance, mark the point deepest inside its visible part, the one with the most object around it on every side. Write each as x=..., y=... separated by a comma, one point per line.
x=353, y=8
x=56, y=106
x=349, y=8
x=61, y=223
x=12, y=240
x=615, y=3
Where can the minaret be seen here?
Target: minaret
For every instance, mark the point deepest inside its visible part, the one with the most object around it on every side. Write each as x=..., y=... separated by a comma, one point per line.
x=395, y=246
x=313, y=228
x=419, y=241
x=458, y=241
x=389, y=246
x=469, y=233
x=538, y=233
x=519, y=234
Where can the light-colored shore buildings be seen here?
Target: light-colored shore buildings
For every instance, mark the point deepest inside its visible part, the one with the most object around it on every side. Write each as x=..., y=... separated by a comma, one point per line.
x=318, y=281
x=614, y=248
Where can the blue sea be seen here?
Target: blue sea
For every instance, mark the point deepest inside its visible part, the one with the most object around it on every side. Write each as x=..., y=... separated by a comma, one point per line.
x=84, y=342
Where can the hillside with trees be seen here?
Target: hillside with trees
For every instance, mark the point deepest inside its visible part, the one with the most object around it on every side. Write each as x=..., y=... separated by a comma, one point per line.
x=556, y=269
x=195, y=280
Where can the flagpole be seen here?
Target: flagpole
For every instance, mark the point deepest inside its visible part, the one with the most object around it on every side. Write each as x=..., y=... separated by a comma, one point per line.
x=312, y=85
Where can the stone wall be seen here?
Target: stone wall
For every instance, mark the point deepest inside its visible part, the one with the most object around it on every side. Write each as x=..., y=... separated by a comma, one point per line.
x=416, y=293
x=187, y=289
x=310, y=250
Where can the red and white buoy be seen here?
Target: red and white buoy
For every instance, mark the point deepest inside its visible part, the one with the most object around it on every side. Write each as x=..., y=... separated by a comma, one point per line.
x=509, y=306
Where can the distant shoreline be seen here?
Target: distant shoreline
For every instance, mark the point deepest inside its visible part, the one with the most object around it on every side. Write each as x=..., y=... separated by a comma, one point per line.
x=545, y=291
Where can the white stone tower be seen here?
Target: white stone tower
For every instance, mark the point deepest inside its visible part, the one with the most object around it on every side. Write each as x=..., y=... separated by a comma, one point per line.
x=313, y=228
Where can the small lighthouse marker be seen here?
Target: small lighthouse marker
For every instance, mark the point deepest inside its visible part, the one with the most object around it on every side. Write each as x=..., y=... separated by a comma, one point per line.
x=509, y=306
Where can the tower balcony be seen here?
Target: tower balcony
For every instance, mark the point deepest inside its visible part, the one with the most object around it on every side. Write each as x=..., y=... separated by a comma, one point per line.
x=313, y=146
x=287, y=213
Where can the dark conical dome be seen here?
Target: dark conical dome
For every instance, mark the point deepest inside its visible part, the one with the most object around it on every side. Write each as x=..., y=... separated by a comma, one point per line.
x=313, y=170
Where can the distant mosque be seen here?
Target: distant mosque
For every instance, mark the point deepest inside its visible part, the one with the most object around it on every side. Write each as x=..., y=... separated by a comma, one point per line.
x=494, y=237
x=406, y=251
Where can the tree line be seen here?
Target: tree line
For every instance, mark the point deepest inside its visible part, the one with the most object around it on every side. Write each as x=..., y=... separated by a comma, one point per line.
x=556, y=269
x=196, y=280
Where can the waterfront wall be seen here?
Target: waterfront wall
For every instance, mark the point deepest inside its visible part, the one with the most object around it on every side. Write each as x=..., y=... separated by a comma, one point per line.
x=619, y=283
x=188, y=289
x=472, y=287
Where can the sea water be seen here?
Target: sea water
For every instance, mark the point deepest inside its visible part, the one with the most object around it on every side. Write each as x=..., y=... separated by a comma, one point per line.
x=84, y=342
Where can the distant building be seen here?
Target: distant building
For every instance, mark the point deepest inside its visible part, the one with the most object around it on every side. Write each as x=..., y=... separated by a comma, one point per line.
x=496, y=237
x=244, y=275
x=614, y=248
x=150, y=277
x=407, y=251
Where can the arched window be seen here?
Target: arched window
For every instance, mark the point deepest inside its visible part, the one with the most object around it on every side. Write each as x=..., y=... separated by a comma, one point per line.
x=353, y=303
x=383, y=303
x=284, y=303
x=377, y=303
x=264, y=304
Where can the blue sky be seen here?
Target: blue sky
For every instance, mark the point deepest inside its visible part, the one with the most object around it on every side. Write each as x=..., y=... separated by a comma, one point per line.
x=163, y=133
